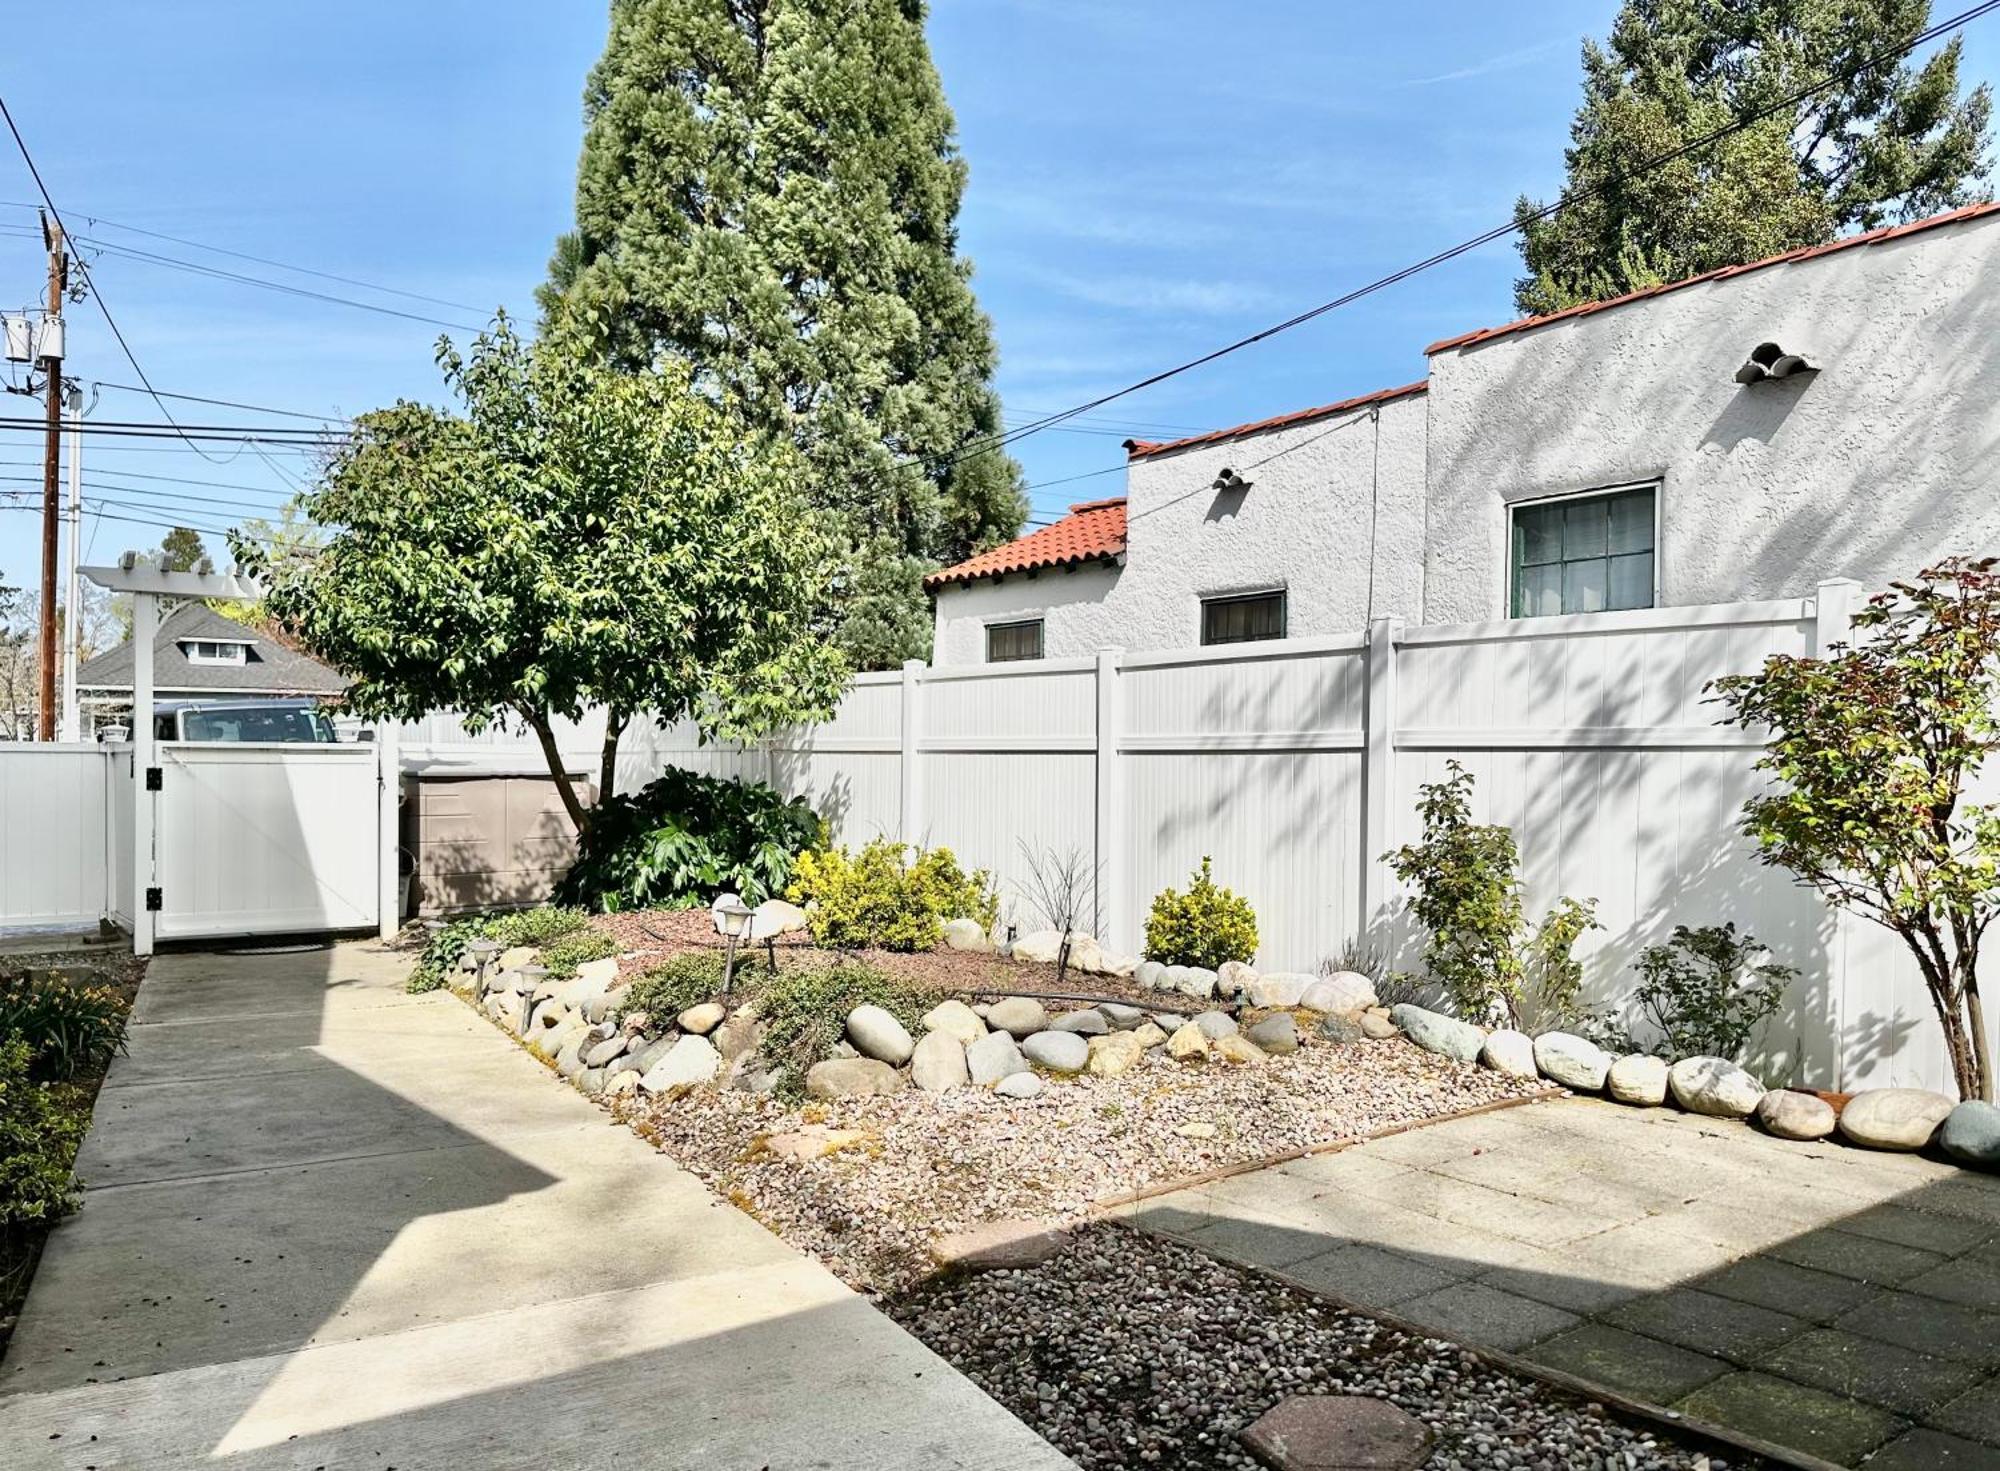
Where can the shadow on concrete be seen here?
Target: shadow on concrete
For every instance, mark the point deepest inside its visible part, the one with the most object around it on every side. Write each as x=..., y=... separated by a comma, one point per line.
x=1841, y=1304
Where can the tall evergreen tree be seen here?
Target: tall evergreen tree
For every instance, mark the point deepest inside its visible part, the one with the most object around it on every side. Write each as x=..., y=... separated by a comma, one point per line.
x=769, y=192
x=1896, y=143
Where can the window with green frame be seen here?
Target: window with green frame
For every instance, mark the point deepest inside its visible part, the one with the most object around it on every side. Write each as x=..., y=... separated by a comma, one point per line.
x=1584, y=554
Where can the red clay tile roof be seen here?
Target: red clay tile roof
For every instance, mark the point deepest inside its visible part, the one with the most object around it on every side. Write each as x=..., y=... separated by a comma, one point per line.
x=1092, y=530
x=1873, y=237
x=1139, y=449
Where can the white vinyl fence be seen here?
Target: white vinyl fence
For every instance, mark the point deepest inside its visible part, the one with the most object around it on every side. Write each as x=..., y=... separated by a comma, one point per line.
x=65, y=835
x=1295, y=766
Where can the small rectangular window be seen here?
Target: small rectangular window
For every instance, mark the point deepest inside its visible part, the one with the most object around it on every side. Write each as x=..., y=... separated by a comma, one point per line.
x=206, y=651
x=1242, y=620
x=1007, y=642
x=1584, y=554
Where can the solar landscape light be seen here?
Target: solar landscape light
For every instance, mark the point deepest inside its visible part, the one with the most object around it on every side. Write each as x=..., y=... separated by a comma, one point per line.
x=732, y=922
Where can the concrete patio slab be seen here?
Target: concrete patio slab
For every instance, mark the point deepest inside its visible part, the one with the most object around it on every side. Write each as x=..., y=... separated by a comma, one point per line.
x=389, y=1237
x=1834, y=1300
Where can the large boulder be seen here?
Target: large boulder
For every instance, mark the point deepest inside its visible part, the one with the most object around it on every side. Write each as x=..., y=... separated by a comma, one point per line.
x=1894, y=1118
x=876, y=1033
x=1233, y=978
x=1214, y=1024
x=1123, y=1018
x=1194, y=981
x=691, y=1060
x=1119, y=967
x=1090, y=1022
x=1572, y=1061
x=1019, y=1086
x=1638, y=1078
x=1971, y=1134
x=1240, y=1050
x=993, y=1057
x=938, y=1063
x=1279, y=988
x=851, y=1077
x=1510, y=1052
x=1435, y=1032
x=1041, y=946
x=1277, y=1034
x=1790, y=1114
x=966, y=934
x=1114, y=1053
x=1150, y=975
x=1059, y=1052
x=1343, y=991
x=1187, y=1044
x=1714, y=1086
x=1018, y=1016
x=1150, y=1034
x=955, y=1019
x=1085, y=955
x=775, y=917
x=702, y=1019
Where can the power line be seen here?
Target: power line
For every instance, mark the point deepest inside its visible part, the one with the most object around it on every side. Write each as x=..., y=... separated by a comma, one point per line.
x=227, y=403
x=83, y=267
x=173, y=479
x=1499, y=232
x=97, y=220
x=171, y=497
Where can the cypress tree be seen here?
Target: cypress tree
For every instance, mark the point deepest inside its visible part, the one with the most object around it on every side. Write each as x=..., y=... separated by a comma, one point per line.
x=1896, y=143
x=769, y=192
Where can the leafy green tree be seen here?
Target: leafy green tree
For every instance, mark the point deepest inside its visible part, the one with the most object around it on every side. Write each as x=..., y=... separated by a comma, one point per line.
x=769, y=193
x=1897, y=142
x=1870, y=753
x=182, y=550
x=578, y=537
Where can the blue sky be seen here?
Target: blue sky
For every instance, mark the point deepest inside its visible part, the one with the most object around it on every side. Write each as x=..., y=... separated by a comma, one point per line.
x=1149, y=180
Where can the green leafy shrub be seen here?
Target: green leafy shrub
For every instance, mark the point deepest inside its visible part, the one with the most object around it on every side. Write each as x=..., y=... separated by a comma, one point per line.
x=40, y=1130
x=688, y=979
x=1466, y=893
x=1704, y=994
x=69, y=1030
x=562, y=957
x=684, y=837
x=1206, y=926
x=805, y=1008
x=882, y=898
x=443, y=951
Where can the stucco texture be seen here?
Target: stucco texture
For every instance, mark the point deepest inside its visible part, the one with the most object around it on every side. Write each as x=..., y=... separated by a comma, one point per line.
x=1322, y=494
x=1881, y=462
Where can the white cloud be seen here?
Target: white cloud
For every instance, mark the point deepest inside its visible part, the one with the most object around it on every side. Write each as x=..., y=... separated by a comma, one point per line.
x=1505, y=61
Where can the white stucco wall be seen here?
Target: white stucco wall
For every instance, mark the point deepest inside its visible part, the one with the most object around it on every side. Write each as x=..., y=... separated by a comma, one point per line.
x=1329, y=500
x=1886, y=459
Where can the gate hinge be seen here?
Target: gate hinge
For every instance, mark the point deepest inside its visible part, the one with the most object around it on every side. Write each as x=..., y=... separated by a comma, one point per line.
x=153, y=778
x=155, y=901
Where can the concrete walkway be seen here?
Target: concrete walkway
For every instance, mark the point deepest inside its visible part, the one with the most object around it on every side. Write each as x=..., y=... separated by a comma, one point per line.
x=1832, y=1300
x=329, y=1224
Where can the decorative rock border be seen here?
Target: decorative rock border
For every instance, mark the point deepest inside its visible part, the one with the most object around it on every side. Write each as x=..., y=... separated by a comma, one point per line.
x=1904, y=1119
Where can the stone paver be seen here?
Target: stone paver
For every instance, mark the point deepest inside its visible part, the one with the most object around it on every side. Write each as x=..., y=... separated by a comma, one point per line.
x=1837, y=1301
x=1337, y=1432
x=331, y=1224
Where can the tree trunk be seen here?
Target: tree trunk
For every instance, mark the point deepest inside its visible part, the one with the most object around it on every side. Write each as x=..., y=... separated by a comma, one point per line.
x=1975, y=1015
x=607, y=762
x=572, y=804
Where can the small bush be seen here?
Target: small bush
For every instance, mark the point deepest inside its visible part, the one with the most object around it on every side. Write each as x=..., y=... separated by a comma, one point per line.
x=1206, y=926
x=683, y=838
x=1704, y=995
x=689, y=979
x=39, y=1133
x=444, y=950
x=882, y=898
x=69, y=1030
x=562, y=957
x=804, y=1010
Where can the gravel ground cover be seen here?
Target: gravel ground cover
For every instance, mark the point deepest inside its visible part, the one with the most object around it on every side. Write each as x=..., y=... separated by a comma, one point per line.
x=921, y=1165
x=1125, y=1350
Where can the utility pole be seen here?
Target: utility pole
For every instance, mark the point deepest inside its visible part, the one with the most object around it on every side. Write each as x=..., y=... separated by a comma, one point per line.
x=72, y=723
x=51, y=350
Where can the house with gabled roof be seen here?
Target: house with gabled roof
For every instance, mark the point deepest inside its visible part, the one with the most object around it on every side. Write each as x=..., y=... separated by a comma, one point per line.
x=1833, y=412
x=200, y=654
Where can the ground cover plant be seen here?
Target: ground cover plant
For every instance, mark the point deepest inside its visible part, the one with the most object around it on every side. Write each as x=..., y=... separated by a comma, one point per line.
x=446, y=947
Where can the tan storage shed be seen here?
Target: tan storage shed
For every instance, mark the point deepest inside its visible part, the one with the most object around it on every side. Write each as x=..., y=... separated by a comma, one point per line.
x=481, y=836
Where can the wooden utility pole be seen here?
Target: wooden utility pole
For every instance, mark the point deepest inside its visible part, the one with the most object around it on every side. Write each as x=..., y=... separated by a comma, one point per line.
x=52, y=366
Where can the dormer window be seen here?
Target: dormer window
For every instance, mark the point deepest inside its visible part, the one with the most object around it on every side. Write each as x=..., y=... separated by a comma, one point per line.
x=215, y=651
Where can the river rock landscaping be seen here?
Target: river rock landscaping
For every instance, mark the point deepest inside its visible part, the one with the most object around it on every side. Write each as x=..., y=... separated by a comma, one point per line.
x=1126, y=1350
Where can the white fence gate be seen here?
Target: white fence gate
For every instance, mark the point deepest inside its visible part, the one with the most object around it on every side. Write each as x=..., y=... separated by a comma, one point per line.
x=267, y=839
